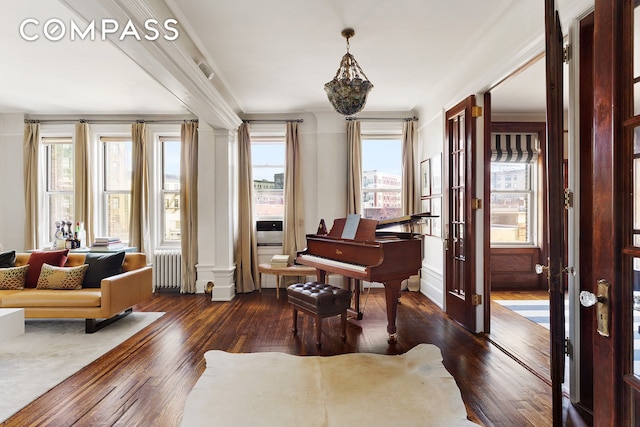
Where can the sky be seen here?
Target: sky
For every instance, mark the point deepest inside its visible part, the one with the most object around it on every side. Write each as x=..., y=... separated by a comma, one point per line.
x=377, y=154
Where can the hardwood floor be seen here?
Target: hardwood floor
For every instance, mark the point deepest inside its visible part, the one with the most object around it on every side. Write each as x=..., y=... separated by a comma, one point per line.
x=526, y=341
x=146, y=380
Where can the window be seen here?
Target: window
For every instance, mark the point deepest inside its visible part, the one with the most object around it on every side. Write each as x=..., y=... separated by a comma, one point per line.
x=381, y=176
x=117, y=164
x=170, y=211
x=513, y=189
x=58, y=196
x=268, y=159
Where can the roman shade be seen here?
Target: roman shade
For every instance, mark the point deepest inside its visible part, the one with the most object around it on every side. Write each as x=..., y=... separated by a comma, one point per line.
x=514, y=147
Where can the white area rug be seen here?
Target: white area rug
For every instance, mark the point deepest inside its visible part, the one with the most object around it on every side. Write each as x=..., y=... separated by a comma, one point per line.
x=51, y=350
x=277, y=389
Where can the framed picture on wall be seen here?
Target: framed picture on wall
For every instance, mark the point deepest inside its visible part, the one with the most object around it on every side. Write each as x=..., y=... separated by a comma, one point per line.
x=436, y=174
x=425, y=177
x=436, y=223
x=426, y=222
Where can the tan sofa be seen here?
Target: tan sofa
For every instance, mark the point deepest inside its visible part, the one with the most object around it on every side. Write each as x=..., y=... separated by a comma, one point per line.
x=99, y=306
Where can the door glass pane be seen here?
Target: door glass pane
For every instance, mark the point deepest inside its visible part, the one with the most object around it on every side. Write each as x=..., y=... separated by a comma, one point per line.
x=636, y=61
x=636, y=316
x=636, y=185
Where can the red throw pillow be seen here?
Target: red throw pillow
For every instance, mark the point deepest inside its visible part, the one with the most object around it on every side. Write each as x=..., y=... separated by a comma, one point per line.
x=37, y=258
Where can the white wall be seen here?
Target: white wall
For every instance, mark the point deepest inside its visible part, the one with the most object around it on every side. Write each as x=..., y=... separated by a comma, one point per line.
x=431, y=143
x=11, y=182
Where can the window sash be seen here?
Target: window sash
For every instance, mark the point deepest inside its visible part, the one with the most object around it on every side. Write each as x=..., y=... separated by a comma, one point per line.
x=55, y=195
x=371, y=189
x=268, y=203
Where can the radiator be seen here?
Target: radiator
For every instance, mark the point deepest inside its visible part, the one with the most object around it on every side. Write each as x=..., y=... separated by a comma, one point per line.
x=167, y=267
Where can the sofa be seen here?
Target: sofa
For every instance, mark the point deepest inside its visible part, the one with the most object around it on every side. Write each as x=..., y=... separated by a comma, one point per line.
x=120, y=281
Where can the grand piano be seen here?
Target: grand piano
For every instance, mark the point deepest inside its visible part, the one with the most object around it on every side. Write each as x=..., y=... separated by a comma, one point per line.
x=369, y=253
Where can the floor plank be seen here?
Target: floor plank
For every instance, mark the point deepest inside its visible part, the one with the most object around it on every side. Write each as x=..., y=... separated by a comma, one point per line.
x=146, y=380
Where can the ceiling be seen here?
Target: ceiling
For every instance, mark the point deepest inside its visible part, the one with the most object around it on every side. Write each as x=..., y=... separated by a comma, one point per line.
x=266, y=57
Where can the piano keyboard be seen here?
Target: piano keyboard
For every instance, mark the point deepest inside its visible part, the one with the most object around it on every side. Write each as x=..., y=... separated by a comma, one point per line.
x=339, y=264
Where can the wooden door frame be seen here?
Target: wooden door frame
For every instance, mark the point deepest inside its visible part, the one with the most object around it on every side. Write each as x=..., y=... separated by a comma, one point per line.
x=512, y=127
x=608, y=189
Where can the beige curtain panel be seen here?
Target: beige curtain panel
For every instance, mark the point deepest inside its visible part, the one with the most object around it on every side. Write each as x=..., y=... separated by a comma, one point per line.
x=294, y=235
x=354, y=168
x=31, y=160
x=139, y=217
x=246, y=246
x=189, y=205
x=409, y=147
x=83, y=189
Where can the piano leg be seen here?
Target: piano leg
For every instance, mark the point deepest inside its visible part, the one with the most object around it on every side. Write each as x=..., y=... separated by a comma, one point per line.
x=355, y=286
x=392, y=293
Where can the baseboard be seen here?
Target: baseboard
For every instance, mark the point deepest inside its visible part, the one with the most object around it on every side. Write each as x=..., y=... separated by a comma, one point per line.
x=431, y=285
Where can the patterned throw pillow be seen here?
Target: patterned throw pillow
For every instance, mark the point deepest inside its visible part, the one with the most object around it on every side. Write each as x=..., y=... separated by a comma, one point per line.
x=68, y=278
x=13, y=277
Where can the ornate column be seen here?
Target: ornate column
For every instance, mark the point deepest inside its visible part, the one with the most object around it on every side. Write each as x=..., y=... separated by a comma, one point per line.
x=216, y=201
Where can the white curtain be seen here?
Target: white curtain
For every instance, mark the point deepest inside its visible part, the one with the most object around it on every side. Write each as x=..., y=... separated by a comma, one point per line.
x=409, y=146
x=31, y=160
x=139, y=217
x=294, y=235
x=354, y=168
x=246, y=246
x=189, y=205
x=83, y=204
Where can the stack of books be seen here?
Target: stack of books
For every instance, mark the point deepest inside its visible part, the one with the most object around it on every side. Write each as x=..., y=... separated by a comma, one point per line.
x=107, y=243
x=280, y=261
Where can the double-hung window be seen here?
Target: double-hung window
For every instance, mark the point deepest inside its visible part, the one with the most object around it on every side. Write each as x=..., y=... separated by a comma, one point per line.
x=268, y=160
x=116, y=186
x=170, y=189
x=58, y=194
x=381, y=176
x=513, y=189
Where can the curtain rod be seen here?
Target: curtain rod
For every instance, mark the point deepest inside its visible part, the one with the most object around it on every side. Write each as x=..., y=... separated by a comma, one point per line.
x=120, y=121
x=395, y=119
x=274, y=121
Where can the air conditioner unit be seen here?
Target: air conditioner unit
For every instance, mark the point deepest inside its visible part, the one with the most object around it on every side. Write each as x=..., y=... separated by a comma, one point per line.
x=269, y=233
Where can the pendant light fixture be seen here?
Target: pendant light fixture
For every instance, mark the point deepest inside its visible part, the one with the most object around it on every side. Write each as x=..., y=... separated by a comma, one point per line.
x=349, y=88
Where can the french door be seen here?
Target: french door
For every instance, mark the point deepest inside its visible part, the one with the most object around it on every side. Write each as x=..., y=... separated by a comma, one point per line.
x=460, y=298
x=555, y=232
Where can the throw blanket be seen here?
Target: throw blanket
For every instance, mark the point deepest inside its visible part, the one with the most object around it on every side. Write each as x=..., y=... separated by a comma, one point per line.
x=277, y=389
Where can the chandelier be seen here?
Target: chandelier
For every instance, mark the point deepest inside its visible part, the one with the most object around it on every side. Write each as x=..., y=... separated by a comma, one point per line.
x=348, y=90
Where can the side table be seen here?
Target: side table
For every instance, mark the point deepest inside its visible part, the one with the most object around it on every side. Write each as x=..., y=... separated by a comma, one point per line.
x=11, y=323
x=291, y=270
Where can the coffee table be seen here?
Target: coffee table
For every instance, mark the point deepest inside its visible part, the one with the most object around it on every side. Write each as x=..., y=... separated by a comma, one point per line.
x=11, y=323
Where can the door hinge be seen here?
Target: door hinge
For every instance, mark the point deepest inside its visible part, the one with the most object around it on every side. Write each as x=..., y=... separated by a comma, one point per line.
x=568, y=198
x=476, y=299
x=476, y=111
x=566, y=53
x=476, y=203
x=568, y=347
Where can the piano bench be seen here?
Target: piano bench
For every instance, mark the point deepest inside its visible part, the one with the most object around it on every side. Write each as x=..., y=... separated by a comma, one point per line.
x=319, y=300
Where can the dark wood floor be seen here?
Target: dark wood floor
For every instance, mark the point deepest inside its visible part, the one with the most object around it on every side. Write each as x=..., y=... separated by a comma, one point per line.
x=526, y=341
x=146, y=380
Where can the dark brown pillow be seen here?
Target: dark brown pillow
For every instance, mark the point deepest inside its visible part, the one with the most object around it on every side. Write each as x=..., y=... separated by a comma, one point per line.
x=101, y=266
x=37, y=258
x=7, y=259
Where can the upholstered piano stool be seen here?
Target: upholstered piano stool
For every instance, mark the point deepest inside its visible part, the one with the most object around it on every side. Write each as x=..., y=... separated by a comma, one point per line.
x=319, y=300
